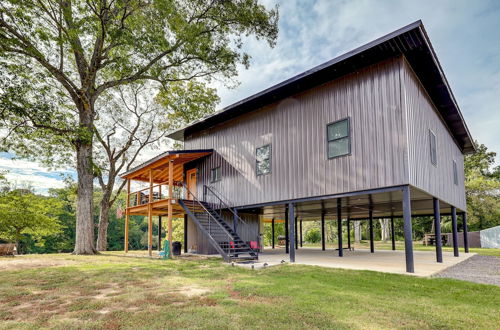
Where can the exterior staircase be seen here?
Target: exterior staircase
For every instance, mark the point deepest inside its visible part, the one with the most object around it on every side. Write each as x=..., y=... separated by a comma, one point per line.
x=220, y=235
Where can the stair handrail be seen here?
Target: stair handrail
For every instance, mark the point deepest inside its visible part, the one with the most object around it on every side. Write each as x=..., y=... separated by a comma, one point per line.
x=221, y=201
x=206, y=210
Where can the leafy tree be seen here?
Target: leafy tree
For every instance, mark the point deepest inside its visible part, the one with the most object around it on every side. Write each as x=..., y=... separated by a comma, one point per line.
x=131, y=122
x=59, y=57
x=24, y=213
x=482, y=189
x=313, y=235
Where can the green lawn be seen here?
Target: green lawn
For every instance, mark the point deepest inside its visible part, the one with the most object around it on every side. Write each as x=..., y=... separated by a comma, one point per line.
x=112, y=291
x=417, y=246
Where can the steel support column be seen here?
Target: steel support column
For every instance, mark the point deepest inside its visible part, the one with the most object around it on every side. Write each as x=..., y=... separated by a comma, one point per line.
x=301, y=239
x=466, y=232
x=393, y=234
x=291, y=217
x=296, y=236
x=272, y=229
x=437, y=231
x=339, y=226
x=349, y=233
x=323, y=238
x=408, y=230
x=287, y=238
x=372, y=243
x=454, y=230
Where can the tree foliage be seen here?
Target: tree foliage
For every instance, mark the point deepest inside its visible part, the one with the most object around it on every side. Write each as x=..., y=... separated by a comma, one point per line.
x=25, y=215
x=58, y=57
x=482, y=189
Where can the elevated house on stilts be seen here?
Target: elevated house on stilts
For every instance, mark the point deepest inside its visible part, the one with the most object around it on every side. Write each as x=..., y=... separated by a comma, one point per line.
x=374, y=133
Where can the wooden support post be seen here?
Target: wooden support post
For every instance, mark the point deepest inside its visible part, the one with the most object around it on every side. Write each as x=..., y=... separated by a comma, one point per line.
x=393, y=235
x=127, y=217
x=372, y=243
x=287, y=238
x=169, y=205
x=408, y=230
x=349, y=233
x=437, y=231
x=273, y=232
x=339, y=226
x=185, y=233
x=323, y=238
x=466, y=232
x=296, y=236
x=159, y=233
x=292, y=226
x=301, y=239
x=150, y=214
x=454, y=230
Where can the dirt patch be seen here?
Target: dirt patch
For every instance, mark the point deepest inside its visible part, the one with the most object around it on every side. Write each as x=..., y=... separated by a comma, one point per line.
x=106, y=293
x=479, y=269
x=19, y=263
x=192, y=291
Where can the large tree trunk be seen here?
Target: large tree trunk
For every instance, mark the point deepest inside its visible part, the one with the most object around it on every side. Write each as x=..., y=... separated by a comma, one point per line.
x=84, y=240
x=385, y=229
x=357, y=231
x=102, y=233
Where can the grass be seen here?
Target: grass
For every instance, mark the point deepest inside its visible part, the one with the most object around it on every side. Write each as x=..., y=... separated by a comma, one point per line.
x=113, y=291
x=417, y=246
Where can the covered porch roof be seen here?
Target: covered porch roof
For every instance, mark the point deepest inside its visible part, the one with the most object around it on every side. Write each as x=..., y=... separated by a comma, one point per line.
x=159, y=165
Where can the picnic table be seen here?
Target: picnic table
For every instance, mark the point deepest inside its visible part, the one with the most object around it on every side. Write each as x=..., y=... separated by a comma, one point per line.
x=430, y=239
x=8, y=249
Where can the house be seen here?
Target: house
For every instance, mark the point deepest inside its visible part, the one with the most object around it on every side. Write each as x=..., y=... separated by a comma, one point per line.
x=374, y=133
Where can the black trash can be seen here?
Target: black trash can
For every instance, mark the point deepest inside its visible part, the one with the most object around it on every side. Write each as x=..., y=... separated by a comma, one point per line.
x=176, y=248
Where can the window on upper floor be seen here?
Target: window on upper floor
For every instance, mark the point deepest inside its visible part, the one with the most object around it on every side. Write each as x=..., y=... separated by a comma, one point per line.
x=263, y=160
x=433, y=148
x=455, y=173
x=215, y=174
x=339, y=138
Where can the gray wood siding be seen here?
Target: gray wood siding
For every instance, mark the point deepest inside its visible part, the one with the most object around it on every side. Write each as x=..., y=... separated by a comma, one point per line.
x=296, y=129
x=422, y=116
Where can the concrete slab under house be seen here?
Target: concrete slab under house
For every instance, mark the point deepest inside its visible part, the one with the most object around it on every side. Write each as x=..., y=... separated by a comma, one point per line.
x=374, y=133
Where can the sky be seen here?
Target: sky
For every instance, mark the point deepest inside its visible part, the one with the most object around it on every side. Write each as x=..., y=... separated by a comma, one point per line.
x=464, y=34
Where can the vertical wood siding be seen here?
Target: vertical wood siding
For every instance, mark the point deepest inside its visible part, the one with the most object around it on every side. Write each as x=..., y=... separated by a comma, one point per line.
x=422, y=116
x=296, y=128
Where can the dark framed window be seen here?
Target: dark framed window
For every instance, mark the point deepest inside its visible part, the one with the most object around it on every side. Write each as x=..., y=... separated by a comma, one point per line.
x=455, y=173
x=263, y=160
x=215, y=174
x=433, y=148
x=338, y=138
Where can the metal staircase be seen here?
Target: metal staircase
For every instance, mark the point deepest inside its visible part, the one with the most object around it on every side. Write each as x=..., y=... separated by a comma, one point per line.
x=221, y=236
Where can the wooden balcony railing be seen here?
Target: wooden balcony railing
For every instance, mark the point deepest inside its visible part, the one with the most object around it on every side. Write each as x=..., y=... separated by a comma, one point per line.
x=159, y=192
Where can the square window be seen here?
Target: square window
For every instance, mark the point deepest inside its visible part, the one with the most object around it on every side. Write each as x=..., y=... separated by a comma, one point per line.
x=215, y=174
x=263, y=160
x=339, y=139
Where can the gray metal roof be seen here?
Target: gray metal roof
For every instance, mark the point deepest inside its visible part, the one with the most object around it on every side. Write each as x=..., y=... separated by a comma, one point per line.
x=411, y=41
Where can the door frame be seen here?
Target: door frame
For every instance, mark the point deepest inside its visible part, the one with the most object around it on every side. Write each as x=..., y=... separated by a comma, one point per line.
x=188, y=175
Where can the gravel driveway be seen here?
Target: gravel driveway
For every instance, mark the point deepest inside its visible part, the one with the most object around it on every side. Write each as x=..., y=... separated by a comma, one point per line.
x=479, y=269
